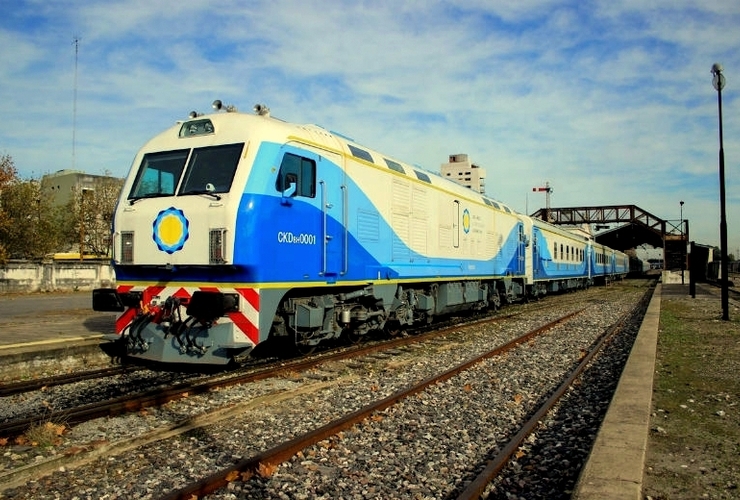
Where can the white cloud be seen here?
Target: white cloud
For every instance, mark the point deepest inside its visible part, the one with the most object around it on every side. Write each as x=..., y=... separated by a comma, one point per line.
x=609, y=102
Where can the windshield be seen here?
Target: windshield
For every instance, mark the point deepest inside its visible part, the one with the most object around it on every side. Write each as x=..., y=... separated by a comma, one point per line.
x=210, y=170
x=159, y=174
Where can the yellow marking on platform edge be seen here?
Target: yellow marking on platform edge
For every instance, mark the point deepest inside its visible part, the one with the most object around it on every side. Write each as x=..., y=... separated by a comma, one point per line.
x=50, y=341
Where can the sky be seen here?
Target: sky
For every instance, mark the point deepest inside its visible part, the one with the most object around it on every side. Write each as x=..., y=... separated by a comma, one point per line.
x=611, y=102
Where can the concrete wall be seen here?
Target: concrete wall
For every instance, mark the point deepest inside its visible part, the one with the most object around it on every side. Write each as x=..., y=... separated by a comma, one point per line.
x=68, y=275
x=674, y=278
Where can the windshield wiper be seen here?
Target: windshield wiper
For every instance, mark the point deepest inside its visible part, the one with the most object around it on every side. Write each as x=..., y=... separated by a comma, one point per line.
x=206, y=192
x=209, y=190
x=134, y=199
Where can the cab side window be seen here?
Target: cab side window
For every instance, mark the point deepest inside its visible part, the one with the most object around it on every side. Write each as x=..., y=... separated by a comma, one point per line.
x=298, y=171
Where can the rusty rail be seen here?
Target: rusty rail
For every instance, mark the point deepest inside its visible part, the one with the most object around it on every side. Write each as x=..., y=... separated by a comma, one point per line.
x=159, y=396
x=13, y=388
x=476, y=488
x=284, y=451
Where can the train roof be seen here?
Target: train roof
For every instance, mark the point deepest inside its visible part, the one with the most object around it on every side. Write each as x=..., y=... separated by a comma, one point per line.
x=416, y=173
x=230, y=125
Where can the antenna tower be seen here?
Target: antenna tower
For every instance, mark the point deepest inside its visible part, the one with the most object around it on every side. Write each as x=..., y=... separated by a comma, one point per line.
x=76, y=43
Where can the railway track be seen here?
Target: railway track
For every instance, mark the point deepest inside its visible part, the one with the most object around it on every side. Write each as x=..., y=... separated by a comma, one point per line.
x=269, y=459
x=476, y=488
x=138, y=400
x=162, y=395
x=374, y=353
x=13, y=388
x=274, y=456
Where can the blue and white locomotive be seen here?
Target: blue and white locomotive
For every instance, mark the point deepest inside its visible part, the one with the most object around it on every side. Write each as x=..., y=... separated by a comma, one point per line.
x=236, y=228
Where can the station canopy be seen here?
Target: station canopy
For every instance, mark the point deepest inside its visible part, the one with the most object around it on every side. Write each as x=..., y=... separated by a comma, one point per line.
x=635, y=226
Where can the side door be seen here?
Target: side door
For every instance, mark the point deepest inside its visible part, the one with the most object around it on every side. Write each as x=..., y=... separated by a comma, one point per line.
x=521, y=249
x=536, y=260
x=300, y=250
x=314, y=209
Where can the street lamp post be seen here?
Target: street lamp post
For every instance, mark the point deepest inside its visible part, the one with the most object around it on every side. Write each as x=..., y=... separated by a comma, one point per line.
x=719, y=82
x=683, y=246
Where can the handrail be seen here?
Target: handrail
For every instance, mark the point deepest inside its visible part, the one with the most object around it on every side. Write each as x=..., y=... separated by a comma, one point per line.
x=345, y=223
x=325, y=236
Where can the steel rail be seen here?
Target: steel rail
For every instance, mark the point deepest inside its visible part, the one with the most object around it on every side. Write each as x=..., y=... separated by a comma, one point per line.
x=476, y=488
x=159, y=396
x=282, y=452
x=13, y=388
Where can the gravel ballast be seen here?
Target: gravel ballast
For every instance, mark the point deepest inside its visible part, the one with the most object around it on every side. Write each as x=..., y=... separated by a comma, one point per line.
x=428, y=446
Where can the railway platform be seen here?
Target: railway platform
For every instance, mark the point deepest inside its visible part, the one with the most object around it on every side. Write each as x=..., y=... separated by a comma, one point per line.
x=616, y=465
x=50, y=322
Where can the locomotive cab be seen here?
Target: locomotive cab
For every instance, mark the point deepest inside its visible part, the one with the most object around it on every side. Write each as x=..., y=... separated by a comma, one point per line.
x=173, y=246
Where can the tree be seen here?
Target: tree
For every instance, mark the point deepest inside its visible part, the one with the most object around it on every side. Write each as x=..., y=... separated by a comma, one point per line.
x=33, y=229
x=8, y=176
x=31, y=226
x=90, y=215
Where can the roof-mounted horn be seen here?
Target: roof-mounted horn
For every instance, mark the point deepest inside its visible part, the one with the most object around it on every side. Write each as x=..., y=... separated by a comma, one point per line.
x=262, y=110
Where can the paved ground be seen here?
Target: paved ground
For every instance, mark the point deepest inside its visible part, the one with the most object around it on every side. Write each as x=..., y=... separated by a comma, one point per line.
x=50, y=317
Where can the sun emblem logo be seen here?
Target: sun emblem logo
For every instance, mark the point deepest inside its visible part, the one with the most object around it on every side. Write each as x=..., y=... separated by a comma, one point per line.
x=170, y=230
x=466, y=221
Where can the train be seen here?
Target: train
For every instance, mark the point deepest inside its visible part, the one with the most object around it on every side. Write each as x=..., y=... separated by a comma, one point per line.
x=234, y=229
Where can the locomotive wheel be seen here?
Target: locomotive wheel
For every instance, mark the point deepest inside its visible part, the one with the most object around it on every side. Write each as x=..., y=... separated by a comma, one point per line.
x=393, y=328
x=353, y=336
x=301, y=348
x=304, y=349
